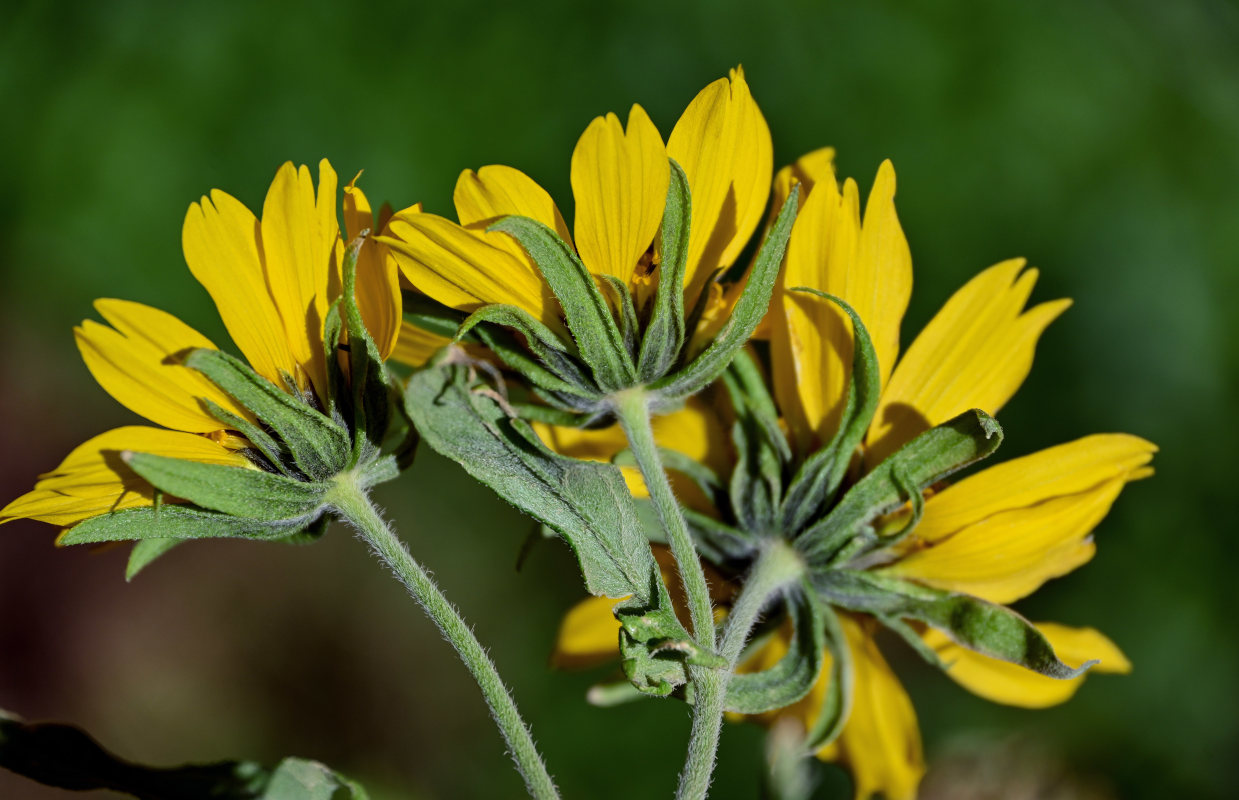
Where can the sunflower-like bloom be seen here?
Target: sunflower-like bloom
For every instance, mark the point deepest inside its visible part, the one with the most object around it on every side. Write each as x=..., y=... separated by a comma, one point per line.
x=997, y=535
x=273, y=281
x=619, y=176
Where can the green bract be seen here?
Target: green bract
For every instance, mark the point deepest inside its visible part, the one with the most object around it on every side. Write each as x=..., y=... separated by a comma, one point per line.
x=619, y=345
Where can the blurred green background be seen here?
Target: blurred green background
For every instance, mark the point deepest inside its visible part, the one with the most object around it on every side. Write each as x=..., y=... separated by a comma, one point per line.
x=1098, y=139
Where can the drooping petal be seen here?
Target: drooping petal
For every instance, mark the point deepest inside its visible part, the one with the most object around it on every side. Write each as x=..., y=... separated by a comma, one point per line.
x=378, y=277
x=1005, y=531
x=495, y=191
x=974, y=353
x=138, y=364
x=619, y=180
x=300, y=233
x=93, y=479
x=1003, y=682
x=466, y=270
x=223, y=245
x=723, y=143
x=588, y=635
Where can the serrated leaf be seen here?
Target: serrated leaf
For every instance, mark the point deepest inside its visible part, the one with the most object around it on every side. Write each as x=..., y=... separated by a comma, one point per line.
x=237, y=491
x=794, y=675
x=66, y=757
x=174, y=522
x=987, y=628
x=664, y=335
x=598, y=339
x=928, y=458
x=749, y=310
x=319, y=447
x=819, y=477
x=587, y=503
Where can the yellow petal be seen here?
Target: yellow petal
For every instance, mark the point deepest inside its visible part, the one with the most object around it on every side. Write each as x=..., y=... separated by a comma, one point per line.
x=1058, y=471
x=811, y=342
x=588, y=635
x=881, y=743
x=723, y=143
x=811, y=168
x=299, y=239
x=867, y=265
x=974, y=353
x=138, y=364
x=495, y=191
x=416, y=345
x=619, y=180
x=378, y=277
x=465, y=270
x=222, y=245
x=93, y=480
x=1002, y=682
x=1005, y=531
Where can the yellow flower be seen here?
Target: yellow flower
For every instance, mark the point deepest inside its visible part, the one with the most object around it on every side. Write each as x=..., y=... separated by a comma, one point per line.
x=273, y=281
x=619, y=177
x=998, y=534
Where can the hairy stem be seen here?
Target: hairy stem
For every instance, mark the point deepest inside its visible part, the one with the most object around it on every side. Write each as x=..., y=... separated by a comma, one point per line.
x=352, y=505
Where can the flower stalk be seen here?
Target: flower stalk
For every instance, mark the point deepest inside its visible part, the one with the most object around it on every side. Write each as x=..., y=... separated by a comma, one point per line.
x=354, y=507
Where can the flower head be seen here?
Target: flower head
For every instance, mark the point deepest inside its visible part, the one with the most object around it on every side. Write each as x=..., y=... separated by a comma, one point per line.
x=274, y=281
x=857, y=443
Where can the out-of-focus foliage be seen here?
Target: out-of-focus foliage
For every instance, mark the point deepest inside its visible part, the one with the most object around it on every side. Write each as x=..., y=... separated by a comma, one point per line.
x=1097, y=139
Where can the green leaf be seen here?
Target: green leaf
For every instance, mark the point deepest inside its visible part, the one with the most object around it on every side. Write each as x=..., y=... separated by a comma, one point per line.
x=144, y=552
x=66, y=757
x=928, y=458
x=371, y=394
x=664, y=335
x=794, y=675
x=626, y=312
x=270, y=449
x=174, y=522
x=749, y=310
x=586, y=502
x=589, y=317
x=987, y=628
x=719, y=542
x=237, y=491
x=757, y=479
x=655, y=649
x=319, y=447
x=819, y=477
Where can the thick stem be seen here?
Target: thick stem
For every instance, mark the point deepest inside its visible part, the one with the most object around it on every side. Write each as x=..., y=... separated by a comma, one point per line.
x=709, y=694
x=353, y=506
x=777, y=567
x=632, y=410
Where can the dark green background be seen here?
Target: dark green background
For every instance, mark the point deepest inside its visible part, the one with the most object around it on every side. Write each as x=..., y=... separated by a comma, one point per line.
x=1095, y=138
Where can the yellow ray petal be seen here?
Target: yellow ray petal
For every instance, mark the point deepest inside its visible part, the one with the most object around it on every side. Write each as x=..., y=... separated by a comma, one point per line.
x=811, y=342
x=138, y=363
x=93, y=480
x=465, y=270
x=619, y=180
x=1029, y=524
x=811, y=168
x=1002, y=682
x=495, y=191
x=378, y=277
x=1058, y=471
x=974, y=353
x=723, y=143
x=867, y=265
x=416, y=345
x=588, y=635
x=299, y=239
x=222, y=244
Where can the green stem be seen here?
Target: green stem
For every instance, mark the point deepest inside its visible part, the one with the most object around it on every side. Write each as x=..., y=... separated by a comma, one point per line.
x=632, y=410
x=352, y=504
x=709, y=685
x=777, y=567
